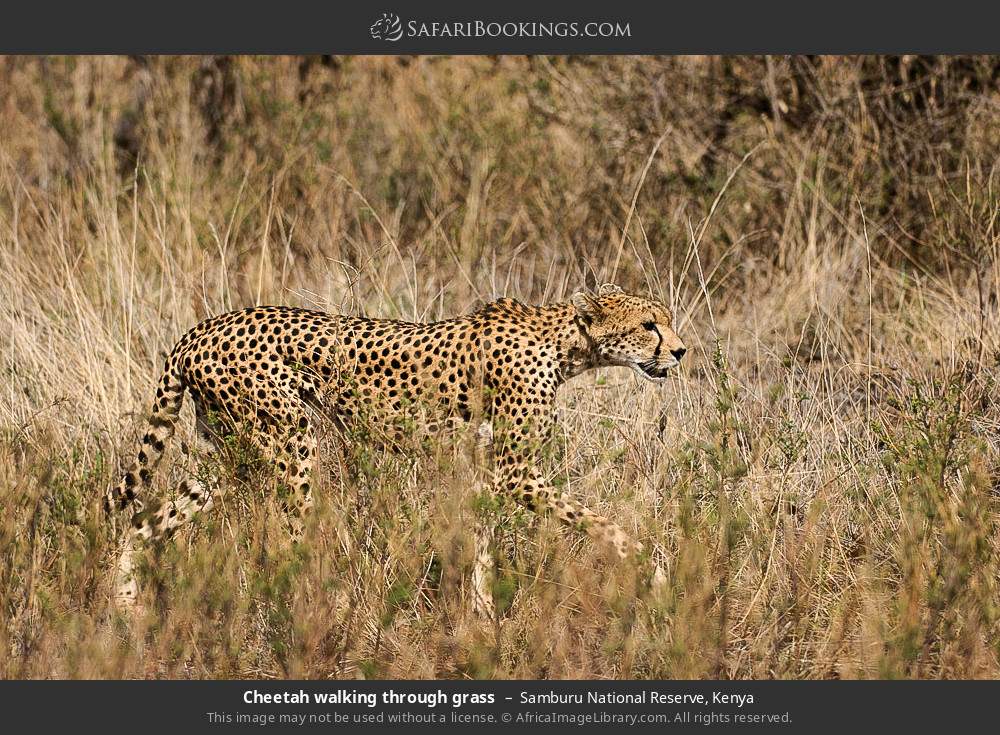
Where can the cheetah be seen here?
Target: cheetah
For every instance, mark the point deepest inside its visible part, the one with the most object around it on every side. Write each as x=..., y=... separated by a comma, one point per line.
x=280, y=370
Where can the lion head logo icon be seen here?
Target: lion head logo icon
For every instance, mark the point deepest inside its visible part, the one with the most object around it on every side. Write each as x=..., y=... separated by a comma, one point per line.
x=387, y=28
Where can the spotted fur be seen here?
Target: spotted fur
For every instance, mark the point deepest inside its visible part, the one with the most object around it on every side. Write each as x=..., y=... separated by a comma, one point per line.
x=276, y=370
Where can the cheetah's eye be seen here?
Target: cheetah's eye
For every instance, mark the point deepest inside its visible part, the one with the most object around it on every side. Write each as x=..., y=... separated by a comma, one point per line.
x=650, y=326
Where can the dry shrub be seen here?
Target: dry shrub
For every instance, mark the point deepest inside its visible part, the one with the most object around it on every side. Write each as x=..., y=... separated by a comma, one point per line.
x=819, y=478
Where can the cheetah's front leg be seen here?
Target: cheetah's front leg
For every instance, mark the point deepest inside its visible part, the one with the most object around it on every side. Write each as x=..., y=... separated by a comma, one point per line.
x=522, y=419
x=528, y=487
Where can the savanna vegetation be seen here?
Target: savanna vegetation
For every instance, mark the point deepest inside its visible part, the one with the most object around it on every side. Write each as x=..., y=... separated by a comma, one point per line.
x=819, y=478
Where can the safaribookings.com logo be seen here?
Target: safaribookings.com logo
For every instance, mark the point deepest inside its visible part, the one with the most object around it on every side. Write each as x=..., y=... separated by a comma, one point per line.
x=390, y=28
x=387, y=28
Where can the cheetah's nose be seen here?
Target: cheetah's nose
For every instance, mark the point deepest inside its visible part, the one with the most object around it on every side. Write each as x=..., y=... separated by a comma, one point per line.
x=678, y=353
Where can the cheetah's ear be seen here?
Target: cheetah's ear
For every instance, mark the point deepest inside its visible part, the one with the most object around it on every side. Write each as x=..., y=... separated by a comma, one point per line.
x=587, y=306
x=606, y=289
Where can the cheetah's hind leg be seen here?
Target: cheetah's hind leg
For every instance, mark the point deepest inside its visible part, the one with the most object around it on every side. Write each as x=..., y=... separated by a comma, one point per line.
x=483, y=572
x=162, y=521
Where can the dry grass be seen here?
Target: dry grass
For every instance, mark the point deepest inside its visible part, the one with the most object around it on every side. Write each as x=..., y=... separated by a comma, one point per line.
x=820, y=476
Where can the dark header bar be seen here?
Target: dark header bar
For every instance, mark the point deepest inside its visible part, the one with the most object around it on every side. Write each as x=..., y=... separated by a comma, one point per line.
x=514, y=26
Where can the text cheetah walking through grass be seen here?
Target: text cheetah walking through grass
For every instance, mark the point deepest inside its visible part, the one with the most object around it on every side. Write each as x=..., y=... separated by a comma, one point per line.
x=279, y=369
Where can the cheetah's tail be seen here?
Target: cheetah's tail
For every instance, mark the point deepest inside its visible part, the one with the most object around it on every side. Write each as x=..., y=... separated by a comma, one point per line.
x=169, y=396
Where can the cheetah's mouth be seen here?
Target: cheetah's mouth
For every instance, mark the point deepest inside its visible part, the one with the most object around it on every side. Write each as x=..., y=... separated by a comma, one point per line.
x=653, y=371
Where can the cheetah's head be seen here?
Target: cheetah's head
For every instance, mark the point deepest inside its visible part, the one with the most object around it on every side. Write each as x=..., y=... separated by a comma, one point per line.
x=631, y=331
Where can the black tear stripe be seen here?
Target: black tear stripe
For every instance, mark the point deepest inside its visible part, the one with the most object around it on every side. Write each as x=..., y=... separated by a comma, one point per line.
x=659, y=344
